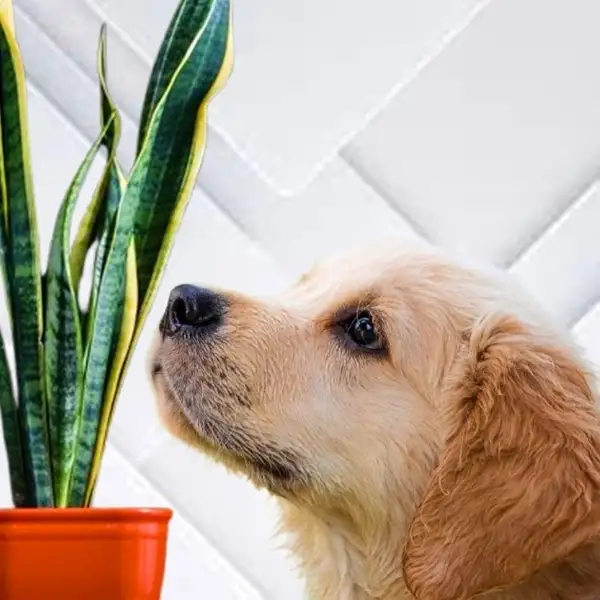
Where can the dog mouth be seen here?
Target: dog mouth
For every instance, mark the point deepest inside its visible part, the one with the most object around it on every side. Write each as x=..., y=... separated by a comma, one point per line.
x=278, y=469
x=156, y=369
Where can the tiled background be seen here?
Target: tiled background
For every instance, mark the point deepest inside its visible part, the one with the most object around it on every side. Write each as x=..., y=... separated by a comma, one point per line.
x=472, y=123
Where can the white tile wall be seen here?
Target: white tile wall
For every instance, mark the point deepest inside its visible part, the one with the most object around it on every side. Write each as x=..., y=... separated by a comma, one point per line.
x=474, y=124
x=499, y=134
x=351, y=53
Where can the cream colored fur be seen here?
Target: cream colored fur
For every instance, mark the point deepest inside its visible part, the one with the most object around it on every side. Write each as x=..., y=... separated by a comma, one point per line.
x=464, y=462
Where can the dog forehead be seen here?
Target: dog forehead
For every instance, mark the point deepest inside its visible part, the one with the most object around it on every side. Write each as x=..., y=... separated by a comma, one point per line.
x=354, y=275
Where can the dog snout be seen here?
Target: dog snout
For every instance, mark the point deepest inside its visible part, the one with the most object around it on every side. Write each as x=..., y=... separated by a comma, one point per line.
x=193, y=308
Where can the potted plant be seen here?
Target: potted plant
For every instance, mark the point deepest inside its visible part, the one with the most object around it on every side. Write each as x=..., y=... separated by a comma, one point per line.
x=70, y=357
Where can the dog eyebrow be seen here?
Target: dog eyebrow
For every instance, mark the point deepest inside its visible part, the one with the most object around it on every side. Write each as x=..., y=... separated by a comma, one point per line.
x=352, y=308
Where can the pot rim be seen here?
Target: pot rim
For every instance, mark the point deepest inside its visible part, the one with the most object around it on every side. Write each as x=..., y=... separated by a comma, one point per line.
x=103, y=514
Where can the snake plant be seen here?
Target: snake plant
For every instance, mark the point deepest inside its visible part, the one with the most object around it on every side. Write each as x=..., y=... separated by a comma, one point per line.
x=70, y=357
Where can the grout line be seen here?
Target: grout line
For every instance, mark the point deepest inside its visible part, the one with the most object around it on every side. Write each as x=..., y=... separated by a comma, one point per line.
x=386, y=197
x=579, y=196
x=128, y=41
x=587, y=308
x=510, y=262
x=583, y=314
x=73, y=63
x=60, y=114
x=447, y=39
x=40, y=89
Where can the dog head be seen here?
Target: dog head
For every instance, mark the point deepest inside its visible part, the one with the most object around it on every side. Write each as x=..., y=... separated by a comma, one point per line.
x=396, y=383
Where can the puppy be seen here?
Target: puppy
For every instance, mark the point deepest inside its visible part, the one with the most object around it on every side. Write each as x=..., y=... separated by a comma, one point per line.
x=428, y=434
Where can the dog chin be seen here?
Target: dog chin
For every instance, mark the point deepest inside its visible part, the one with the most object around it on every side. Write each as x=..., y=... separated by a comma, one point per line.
x=214, y=438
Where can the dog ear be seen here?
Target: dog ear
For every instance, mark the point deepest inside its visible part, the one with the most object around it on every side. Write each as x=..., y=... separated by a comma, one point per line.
x=518, y=483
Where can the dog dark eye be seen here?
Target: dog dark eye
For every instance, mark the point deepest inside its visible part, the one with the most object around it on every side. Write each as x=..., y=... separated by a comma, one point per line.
x=362, y=331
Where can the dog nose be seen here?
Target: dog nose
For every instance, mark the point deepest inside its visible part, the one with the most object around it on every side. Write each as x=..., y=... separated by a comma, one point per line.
x=193, y=307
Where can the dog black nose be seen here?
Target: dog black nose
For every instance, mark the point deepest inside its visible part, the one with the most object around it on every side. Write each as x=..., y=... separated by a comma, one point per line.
x=193, y=307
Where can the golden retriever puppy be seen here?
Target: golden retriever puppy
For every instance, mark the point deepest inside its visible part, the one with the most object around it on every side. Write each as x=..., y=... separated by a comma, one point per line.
x=428, y=434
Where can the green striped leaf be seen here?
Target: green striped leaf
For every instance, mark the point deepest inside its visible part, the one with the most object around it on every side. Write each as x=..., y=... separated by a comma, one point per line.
x=188, y=19
x=11, y=432
x=8, y=404
x=63, y=337
x=128, y=322
x=170, y=154
x=115, y=184
x=114, y=193
x=196, y=153
x=72, y=385
x=98, y=221
x=105, y=325
x=159, y=186
x=23, y=270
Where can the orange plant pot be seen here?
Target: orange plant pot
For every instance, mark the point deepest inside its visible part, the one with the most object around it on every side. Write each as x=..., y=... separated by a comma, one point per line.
x=82, y=554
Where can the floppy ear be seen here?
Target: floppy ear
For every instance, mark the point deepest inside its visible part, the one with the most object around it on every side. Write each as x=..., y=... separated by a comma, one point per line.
x=518, y=483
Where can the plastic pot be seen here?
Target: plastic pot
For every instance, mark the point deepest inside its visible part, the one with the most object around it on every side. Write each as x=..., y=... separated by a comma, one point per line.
x=82, y=554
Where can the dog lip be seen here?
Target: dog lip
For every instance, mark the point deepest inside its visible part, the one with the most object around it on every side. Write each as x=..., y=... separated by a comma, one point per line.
x=280, y=466
x=156, y=369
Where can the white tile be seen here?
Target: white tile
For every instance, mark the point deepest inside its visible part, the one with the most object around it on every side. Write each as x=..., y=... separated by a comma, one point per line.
x=209, y=250
x=326, y=221
x=237, y=519
x=337, y=210
x=499, y=134
x=562, y=269
x=193, y=565
x=307, y=74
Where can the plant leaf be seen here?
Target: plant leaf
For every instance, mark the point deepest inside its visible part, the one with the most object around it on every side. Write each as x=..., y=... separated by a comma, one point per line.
x=8, y=404
x=63, y=337
x=152, y=195
x=99, y=222
x=105, y=324
x=98, y=219
x=101, y=219
x=130, y=310
x=116, y=180
x=23, y=270
x=6, y=14
x=12, y=434
x=175, y=141
x=182, y=30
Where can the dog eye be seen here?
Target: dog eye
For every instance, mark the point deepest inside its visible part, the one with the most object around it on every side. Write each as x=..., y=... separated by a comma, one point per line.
x=362, y=331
